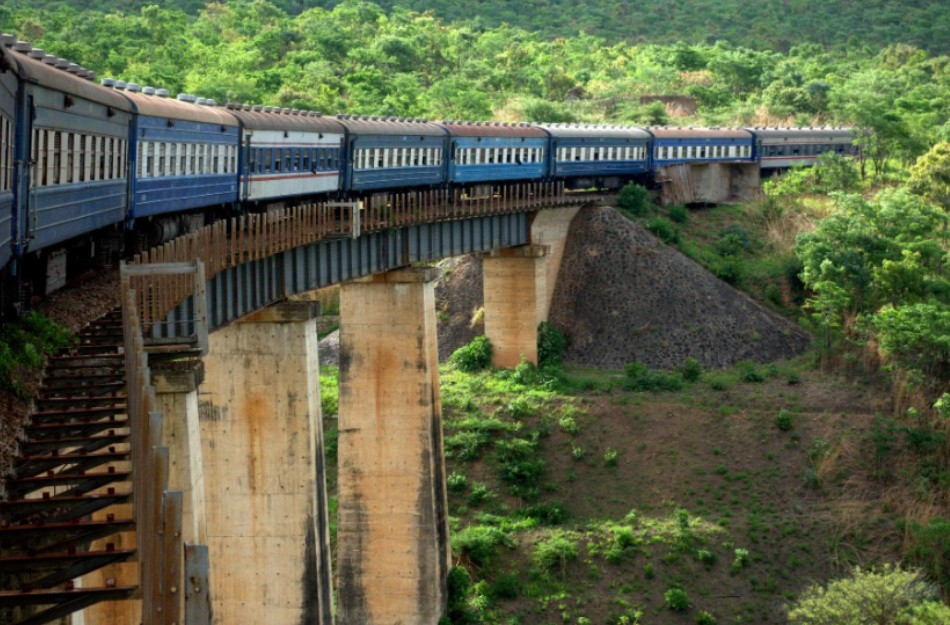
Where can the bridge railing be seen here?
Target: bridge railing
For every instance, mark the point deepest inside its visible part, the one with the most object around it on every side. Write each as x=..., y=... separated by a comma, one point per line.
x=165, y=563
x=229, y=243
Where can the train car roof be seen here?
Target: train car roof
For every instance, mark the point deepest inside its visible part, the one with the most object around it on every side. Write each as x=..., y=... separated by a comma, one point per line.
x=777, y=133
x=612, y=131
x=158, y=106
x=390, y=126
x=673, y=132
x=272, y=118
x=33, y=65
x=492, y=129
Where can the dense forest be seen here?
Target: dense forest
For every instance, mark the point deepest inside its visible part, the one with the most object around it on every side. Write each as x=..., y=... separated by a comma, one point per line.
x=357, y=58
x=754, y=23
x=855, y=251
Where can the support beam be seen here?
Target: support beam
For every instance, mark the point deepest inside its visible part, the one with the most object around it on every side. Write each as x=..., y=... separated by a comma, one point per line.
x=515, y=283
x=519, y=284
x=392, y=540
x=265, y=489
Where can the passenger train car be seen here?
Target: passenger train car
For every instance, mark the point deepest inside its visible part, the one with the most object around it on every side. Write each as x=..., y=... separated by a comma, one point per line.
x=87, y=170
x=590, y=155
x=386, y=154
x=676, y=146
x=287, y=154
x=493, y=151
x=781, y=148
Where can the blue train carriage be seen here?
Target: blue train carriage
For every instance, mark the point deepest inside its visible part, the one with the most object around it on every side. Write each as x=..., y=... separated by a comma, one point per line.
x=391, y=153
x=782, y=148
x=482, y=152
x=72, y=193
x=287, y=153
x=7, y=136
x=676, y=146
x=184, y=156
x=592, y=155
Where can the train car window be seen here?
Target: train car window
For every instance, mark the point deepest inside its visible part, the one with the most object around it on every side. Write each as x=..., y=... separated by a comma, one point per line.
x=162, y=149
x=149, y=158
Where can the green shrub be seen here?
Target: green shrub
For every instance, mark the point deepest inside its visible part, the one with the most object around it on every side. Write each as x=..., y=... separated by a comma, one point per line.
x=480, y=543
x=518, y=460
x=519, y=407
x=664, y=230
x=466, y=445
x=678, y=213
x=556, y=551
x=641, y=378
x=506, y=586
x=553, y=513
x=24, y=344
x=648, y=572
x=691, y=370
x=883, y=595
x=578, y=453
x=740, y=561
x=634, y=199
x=783, y=420
x=706, y=557
x=473, y=357
x=480, y=494
x=705, y=618
x=733, y=241
x=568, y=425
x=930, y=549
x=676, y=599
x=459, y=584
x=551, y=345
x=730, y=270
x=610, y=458
x=456, y=482
x=749, y=372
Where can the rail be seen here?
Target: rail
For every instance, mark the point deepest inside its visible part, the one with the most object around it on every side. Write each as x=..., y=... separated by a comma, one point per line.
x=232, y=242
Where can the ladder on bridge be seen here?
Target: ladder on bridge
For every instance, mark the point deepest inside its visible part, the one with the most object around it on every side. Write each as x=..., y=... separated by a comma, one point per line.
x=72, y=467
x=91, y=476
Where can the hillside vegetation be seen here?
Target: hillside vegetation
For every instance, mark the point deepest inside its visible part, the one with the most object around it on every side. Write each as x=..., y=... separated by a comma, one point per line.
x=358, y=59
x=754, y=23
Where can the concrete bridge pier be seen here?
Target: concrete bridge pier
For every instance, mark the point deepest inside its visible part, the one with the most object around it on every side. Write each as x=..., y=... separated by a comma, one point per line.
x=265, y=489
x=392, y=541
x=518, y=286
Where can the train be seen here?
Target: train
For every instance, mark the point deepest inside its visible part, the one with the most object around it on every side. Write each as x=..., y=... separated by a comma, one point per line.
x=90, y=170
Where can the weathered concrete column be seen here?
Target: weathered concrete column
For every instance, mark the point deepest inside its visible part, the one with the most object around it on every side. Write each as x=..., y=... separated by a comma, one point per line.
x=265, y=490
x=519, y=284
x=176, y=397
x=515, y=283
x=392, y=537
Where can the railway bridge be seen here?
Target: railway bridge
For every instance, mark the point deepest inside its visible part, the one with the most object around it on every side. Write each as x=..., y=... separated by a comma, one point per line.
x=222, y=516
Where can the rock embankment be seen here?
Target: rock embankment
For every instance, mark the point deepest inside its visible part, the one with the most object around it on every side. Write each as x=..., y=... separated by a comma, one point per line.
x=622, y=295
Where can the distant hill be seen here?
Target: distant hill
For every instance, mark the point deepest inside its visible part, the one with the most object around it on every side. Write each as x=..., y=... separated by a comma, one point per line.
x=776, y=24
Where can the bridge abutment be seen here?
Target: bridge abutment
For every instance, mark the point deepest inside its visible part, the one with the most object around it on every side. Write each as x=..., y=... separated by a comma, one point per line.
x=265, y=489
x=518, y=286
x=392, y=540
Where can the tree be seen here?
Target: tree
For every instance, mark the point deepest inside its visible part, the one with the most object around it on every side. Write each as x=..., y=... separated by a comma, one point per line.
x=930, y=177
x=885, y=596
